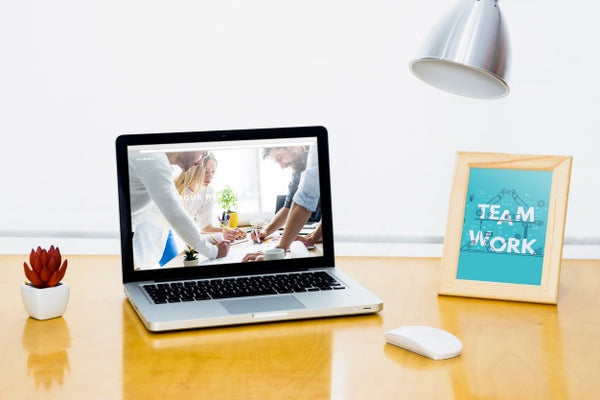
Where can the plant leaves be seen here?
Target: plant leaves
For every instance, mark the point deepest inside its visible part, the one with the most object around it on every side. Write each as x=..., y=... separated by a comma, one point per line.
x=32, y=276
x=44, y=274
x=45, y=269
x=53, y=281
x=43, y=258
x=35, y=262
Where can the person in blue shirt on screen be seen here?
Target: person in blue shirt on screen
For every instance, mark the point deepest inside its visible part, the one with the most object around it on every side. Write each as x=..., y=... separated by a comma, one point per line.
x=296, y=158
x=305, y=201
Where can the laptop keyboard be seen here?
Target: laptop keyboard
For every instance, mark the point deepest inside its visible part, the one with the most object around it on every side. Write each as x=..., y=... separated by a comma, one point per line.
x=175, y=292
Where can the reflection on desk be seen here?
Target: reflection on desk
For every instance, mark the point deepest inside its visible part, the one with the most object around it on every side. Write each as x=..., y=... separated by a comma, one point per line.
x=47, y=342
x=100, y=350
x=230, y=363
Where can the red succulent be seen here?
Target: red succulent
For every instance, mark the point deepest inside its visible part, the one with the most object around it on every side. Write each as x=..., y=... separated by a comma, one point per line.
x=45, y=270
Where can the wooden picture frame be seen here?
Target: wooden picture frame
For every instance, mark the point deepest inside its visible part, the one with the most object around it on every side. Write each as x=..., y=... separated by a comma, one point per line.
x=505, y=228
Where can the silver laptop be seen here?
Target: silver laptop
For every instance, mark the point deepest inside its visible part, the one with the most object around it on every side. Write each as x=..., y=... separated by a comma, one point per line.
x=171, y=190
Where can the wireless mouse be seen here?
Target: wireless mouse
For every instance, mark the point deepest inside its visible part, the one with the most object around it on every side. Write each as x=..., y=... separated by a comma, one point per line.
x=427, y=341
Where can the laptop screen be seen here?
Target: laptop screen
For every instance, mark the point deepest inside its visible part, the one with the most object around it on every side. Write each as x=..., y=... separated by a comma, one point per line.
x=181, y=194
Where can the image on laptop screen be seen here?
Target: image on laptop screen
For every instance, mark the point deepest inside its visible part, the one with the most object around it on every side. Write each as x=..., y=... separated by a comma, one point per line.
x=226, y=189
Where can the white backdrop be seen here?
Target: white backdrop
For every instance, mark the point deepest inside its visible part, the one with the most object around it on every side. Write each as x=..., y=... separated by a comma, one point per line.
x=74, y=75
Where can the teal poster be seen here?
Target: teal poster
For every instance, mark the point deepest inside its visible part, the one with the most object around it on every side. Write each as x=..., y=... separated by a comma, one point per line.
x=504, y=228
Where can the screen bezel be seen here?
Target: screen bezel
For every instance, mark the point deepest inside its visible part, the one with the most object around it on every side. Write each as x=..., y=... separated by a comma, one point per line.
x=123, y=142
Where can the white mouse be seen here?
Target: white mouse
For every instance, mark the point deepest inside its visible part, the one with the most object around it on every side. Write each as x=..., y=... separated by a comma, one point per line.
x=427, y=341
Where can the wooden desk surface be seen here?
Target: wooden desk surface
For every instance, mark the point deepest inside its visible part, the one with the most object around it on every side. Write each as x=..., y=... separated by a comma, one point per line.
x=99, y=348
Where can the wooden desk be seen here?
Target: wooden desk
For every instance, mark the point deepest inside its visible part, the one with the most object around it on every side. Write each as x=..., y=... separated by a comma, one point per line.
x=99, y=349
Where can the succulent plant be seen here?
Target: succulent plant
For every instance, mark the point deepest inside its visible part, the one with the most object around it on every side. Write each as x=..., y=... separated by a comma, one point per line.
x=190, y=254
x=45, y=270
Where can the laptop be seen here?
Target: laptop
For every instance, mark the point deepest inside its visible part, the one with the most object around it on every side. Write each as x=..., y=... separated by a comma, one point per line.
x=156, y=215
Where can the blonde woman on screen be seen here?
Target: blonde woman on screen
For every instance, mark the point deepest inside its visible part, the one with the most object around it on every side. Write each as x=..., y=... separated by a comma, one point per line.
x=198, y=197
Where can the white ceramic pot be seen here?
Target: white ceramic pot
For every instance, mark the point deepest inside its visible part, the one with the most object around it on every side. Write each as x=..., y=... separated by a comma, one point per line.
x=45, y=303
x=191, y=263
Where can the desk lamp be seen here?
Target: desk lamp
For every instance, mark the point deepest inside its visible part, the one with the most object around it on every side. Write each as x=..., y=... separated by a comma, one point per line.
x=467, y=52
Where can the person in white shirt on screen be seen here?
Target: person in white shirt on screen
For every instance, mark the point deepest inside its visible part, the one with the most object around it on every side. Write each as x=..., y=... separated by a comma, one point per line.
x=198, y=196
x=306, y=200
x=151, y=185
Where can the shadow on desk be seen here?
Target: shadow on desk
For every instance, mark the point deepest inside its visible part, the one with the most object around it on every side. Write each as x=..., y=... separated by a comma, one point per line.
x=278, y=360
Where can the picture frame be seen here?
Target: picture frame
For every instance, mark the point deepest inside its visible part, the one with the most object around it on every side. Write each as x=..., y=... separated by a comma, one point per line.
x=505, y=227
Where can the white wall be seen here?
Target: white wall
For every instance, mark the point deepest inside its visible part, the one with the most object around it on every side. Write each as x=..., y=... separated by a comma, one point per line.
x=74, y=75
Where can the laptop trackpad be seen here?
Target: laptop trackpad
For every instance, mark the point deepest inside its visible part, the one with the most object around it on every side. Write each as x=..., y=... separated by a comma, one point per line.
x=261, y=304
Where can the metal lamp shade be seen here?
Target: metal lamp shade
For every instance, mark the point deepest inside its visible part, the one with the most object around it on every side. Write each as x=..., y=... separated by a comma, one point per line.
x=467, y=52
